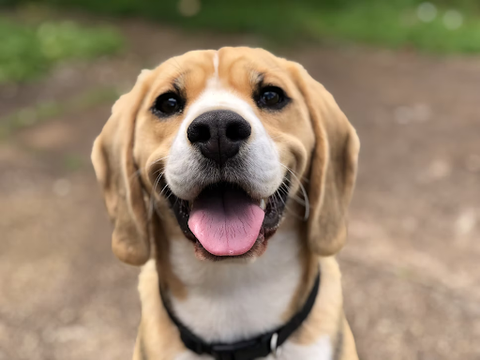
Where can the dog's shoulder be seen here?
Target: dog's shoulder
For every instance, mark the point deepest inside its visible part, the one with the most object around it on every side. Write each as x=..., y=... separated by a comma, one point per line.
x=157, y=337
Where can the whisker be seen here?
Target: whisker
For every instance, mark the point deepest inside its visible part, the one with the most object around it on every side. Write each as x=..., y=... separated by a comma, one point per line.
x=139, y=171
x=155, y=192
x=293, y=197
x=275, y=202
x=277, y=196
x=164, y=188
x=307, y=202
x=157, y=161
x=149, y=166
x=157, y=182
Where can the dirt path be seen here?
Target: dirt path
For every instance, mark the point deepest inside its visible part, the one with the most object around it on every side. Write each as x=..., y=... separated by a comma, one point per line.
x=411, y=268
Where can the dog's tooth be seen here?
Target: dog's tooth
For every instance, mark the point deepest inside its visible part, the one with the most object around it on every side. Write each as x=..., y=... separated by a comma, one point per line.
x=263, y=205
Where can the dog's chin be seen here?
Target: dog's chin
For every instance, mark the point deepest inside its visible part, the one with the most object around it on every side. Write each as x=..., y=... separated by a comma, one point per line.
x=225, y=223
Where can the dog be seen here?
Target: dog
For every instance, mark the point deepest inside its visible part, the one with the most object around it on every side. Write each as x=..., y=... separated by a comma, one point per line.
x=228, y=175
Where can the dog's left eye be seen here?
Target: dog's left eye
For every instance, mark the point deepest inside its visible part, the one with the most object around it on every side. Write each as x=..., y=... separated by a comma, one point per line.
x=271, y=97
x=167, y=104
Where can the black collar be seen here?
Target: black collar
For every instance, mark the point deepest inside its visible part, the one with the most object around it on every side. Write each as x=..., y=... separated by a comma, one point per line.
x=257, y=347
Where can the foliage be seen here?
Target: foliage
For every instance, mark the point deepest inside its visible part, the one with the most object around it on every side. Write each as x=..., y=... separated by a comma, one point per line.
x=393, y=23
x=28, y=51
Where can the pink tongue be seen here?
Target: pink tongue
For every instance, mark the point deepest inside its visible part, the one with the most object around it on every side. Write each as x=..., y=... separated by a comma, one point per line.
x=226, y=223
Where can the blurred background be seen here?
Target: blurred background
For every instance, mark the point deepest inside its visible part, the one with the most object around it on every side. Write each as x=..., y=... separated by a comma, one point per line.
x=406, y=73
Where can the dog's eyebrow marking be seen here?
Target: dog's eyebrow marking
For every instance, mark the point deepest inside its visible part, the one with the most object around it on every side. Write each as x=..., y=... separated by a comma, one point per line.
x=177, y=85
x=179, y=82
x=259, y=78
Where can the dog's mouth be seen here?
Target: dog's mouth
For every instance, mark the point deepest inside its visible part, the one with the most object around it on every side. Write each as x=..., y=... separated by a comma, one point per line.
x=225, y=221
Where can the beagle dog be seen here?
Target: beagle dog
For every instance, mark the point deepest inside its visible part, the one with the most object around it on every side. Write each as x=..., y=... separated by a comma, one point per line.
x=228, y=174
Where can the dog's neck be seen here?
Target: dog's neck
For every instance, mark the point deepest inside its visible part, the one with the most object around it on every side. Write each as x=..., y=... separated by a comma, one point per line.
x=229, y=301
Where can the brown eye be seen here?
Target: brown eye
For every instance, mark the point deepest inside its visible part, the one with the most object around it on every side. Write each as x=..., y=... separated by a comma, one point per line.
x=167, y=104
x=271, y=97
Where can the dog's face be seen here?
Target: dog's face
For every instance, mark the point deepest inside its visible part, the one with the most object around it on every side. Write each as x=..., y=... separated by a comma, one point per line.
x=224, y=139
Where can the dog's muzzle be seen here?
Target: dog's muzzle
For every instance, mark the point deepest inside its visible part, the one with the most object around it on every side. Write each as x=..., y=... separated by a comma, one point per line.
x=228, y=215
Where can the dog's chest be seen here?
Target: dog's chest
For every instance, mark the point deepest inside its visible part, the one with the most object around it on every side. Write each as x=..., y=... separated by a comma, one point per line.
x=235, y=302
x=230, y=302
x=321, y=350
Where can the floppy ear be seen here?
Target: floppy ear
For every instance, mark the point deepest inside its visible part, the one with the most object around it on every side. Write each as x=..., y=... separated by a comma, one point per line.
x=333, y=166
x=112, y=158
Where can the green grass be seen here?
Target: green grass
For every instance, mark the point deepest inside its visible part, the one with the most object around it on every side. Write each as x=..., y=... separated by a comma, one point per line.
x=396, y=28
x=28, y=51
x=391, y=23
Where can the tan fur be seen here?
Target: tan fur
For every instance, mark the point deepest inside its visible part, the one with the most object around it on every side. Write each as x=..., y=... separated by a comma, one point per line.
x=112, y=158
x=314, y=140
x=168, y=279
x=158, y=336
x=333, y=166
x=327, y=311
x=348, y=351
x=310, y=269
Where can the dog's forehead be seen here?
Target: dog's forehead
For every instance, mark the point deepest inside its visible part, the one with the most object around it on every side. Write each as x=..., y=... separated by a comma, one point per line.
x=226, y=59
x=237, y=67
x=231, y=60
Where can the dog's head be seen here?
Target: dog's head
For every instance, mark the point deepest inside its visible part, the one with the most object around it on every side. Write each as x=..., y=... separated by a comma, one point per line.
x=224, y=139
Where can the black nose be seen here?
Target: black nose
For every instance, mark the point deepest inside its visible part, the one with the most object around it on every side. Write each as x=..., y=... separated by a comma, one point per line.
x=219, y=134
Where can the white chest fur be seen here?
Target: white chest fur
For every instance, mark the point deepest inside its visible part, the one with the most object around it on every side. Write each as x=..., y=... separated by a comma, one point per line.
x=232, y=301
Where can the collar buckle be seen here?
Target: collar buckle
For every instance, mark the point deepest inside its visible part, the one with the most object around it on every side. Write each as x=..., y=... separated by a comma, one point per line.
x=274, y=345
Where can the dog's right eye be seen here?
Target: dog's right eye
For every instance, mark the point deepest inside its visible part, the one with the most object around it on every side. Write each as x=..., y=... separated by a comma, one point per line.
x=167, y=104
